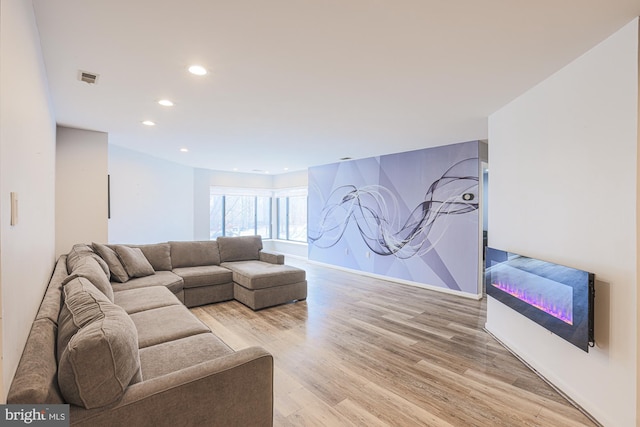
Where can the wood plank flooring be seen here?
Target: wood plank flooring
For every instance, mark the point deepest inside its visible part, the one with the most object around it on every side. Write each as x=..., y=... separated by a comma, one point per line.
x=367, y=352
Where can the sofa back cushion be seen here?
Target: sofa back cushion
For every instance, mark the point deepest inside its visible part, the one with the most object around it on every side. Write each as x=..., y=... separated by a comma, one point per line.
x=118, y=273
x=88, y=268
x=194, y=254
x=133, y=261
x=97, y=347
x=81, y=251
x=158, y=255
x=241, y=248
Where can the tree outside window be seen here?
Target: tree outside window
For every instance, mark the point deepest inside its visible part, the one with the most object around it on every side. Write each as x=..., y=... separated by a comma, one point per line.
x=239, y=214
x=292, y=218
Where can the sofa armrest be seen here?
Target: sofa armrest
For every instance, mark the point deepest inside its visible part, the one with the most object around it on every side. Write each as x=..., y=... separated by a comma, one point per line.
x=236, y=389
x=271, y=258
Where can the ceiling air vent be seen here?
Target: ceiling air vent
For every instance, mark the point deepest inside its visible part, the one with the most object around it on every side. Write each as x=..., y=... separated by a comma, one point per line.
x=87, y=77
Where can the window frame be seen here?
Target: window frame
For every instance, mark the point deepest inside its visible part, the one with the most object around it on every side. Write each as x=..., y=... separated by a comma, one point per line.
x=225, y=192
x=285, y=196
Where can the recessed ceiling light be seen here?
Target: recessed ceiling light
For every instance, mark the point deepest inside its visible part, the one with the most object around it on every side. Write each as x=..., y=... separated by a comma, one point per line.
x=198, y=70
x=286, y=169
x=184, y=150
x=148, y=123
x=165, y=103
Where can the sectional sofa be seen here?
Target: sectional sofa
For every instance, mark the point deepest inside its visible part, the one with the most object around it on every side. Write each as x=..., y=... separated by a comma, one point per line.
x=206, y=272
x=114, y=339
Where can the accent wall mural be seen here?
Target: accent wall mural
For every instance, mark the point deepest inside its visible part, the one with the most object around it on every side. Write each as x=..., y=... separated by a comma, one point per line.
x=412, y=216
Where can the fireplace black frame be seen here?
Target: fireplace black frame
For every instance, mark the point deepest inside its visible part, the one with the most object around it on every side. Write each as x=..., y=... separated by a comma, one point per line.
x=582, y=284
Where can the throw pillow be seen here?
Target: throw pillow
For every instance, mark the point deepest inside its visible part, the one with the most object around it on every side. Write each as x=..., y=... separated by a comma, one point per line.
x=134, y=261
x=158, y=255
x=89, y=268
x=97, y=347
x=118, y=273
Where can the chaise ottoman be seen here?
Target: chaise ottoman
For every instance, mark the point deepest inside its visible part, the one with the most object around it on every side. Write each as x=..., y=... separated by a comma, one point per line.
x=258, y=284
x=260, y=279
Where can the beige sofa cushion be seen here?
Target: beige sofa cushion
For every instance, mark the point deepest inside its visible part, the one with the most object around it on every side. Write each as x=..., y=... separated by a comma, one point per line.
x=81, y=250
x=193, y=254
x=97, y=347
x=172, y=356
x=166, y=324
x=88, y=268
x=158, y=255
x=262, y=275
x=133, y=261
x=118, y=273
x=241, y=248
x=205, y=275
x=142, y=299
x=162, y=278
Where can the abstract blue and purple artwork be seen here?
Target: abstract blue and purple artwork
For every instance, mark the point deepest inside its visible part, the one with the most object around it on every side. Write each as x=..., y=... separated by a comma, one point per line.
x=411, y=216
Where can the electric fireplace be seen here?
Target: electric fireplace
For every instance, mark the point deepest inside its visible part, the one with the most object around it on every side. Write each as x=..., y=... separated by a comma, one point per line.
x=558, y=298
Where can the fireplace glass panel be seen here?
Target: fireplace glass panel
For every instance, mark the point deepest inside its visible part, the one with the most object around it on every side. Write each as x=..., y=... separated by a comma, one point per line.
x=557, y=297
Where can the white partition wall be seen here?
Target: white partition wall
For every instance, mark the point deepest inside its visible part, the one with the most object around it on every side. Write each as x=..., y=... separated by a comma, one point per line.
x=81, y=187
x=563, y=188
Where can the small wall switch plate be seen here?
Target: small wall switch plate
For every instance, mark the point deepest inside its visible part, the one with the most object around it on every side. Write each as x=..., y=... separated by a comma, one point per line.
x=14, y=208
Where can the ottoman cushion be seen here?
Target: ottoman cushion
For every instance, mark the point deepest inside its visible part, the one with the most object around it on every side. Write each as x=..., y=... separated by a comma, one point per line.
x=262, y=275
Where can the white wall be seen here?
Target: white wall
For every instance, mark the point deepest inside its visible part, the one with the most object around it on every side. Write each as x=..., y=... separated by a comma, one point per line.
x=291, y=180
x=297, y=249
x=81, y=187
x=27, y=166
x=151, y=199
x=563, y=188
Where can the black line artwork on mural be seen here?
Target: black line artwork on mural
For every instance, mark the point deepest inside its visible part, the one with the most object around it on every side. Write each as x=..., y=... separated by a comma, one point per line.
x=375, y=211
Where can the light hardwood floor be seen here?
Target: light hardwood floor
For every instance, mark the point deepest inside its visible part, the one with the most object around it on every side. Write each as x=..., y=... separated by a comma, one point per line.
x=368, y=352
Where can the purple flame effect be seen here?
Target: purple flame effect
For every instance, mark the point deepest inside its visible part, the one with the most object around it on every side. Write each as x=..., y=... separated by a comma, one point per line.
x=538, y=301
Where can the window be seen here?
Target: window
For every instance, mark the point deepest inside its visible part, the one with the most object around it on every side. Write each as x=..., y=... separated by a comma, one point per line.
x=216, y=216
x=239, y=212
x=292, y=215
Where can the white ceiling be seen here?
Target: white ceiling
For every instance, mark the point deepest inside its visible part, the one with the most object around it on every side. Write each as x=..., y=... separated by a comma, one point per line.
x=297, y=83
